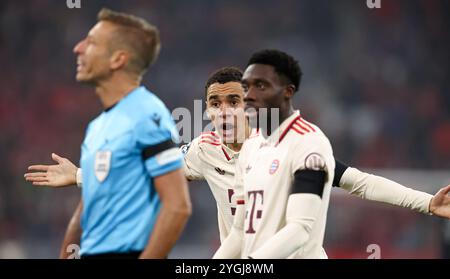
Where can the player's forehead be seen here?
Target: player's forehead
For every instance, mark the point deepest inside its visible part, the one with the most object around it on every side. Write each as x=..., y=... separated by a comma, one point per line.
x=102, y=30
x=232, y=89
x=257, y=72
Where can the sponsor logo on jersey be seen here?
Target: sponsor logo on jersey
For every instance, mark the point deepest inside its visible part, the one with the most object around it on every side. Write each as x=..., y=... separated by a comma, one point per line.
x=220, y=171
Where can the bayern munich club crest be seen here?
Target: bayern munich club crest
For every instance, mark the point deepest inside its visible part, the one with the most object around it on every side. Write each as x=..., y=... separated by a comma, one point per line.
x=274, y=166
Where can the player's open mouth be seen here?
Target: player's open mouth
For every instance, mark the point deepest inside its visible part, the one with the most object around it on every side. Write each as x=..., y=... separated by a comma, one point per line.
x=227, y=129
x=80, y=65
x=227, y=126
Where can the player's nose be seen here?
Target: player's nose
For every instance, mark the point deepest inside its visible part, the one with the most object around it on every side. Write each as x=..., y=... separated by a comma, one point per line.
x=250, y=96
x=225, y=112
x=79, y=47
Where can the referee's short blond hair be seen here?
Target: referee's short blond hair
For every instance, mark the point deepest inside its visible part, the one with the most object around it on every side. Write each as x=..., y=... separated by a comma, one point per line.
x=137, y=35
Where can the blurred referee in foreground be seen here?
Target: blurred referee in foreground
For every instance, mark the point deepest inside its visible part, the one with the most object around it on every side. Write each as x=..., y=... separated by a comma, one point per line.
x=135, y=201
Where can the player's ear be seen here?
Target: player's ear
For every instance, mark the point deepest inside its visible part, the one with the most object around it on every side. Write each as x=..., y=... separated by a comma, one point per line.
x=207, y=110
x=207, y=114
x=289, y=91
x=118, y=59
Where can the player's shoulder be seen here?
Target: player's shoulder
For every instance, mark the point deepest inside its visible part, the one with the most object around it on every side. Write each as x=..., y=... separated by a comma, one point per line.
x=254, y=138
x=209, y=140
x=301, y=129
x=147, y=109
x=143, y=103
x=152, y=103
x=251, y=144
x=308, y=146
x=205, y=142
x=148, y=117
x=303, y=133
x=191, y=148
x=145, y=97
x=254, y=134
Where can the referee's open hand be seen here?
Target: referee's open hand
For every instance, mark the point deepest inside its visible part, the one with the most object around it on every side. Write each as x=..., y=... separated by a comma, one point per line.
x=59, y=175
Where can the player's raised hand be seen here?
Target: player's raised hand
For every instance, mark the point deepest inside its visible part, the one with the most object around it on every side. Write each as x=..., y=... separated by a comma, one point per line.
x=440, y=204
x=60, y=175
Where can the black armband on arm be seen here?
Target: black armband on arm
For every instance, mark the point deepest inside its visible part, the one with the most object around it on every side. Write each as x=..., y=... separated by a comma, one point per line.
x=309, y=182
x=338, y=172
x=153, y=150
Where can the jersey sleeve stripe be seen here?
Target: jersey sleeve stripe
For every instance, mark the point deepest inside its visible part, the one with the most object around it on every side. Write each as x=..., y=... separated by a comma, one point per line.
x=307, y=124
x=301, y=126
x=211, y=134
x=208, y=137
x=287, y=129
x=298, y=131
x=209, y=142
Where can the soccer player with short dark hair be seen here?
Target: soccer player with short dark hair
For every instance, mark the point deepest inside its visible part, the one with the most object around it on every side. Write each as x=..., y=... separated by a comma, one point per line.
x=286, y=171
x=212, y=155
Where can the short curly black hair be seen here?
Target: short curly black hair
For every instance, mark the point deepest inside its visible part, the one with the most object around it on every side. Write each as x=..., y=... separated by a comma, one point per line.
x=224, y=75
x=284, y=64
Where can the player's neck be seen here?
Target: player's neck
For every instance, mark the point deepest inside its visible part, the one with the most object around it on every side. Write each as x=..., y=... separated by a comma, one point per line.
x=236, y=146
x=112, y=91
x=284, y=114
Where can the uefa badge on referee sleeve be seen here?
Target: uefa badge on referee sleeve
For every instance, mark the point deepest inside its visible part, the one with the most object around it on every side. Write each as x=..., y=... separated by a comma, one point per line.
x=102, y=164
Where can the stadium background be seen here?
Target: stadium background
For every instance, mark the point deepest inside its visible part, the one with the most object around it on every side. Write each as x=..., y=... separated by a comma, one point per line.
x=376, y=81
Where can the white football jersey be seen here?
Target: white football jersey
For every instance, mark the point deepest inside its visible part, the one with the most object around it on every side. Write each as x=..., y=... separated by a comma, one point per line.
x=206, y=157
x=266, y=170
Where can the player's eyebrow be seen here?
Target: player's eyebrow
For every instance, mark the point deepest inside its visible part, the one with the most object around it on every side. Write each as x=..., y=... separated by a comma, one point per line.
x=212, y=97
x=233, y=96
x=254, y=80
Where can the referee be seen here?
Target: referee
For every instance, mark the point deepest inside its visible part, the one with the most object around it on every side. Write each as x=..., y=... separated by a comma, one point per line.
x=135, y=201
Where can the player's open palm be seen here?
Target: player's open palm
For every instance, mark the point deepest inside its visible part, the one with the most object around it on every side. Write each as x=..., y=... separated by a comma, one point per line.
x=440, y=204
x=59, y=175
